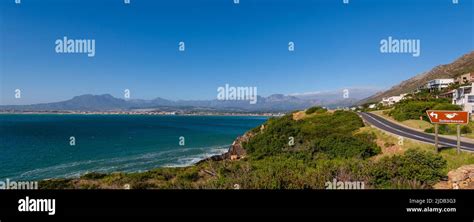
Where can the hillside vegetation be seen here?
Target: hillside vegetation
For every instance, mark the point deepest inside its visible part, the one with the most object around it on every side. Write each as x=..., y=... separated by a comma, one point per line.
x=414, y=108
x=289, y=154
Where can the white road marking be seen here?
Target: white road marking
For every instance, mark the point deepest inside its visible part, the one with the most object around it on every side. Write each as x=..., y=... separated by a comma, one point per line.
x=405, y=133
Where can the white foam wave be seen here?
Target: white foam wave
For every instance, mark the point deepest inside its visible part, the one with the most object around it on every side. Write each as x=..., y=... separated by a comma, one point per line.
x=135, y=163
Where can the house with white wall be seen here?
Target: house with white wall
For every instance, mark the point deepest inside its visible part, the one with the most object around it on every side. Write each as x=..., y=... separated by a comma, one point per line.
x=438, y=84
x=464, y=96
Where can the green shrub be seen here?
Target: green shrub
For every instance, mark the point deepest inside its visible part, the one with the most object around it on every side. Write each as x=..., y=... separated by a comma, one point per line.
x=60, y=184
x=466, y=129
x=275, y=138
x=315, y=109
x=446, y=106
x=414, y=108
x=346, y=146
x=414, y=167
x=93, y=175
x=189, y=176
x=445, y=129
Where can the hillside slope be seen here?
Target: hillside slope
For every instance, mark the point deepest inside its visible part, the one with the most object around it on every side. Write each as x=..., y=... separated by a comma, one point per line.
x=460, y=66
x=286, y=153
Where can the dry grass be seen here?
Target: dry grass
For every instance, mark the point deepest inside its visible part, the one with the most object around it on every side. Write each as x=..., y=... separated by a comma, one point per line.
x=299, y=115
x=417, y=124
x=412, y=123
x=302, y=114
x=391, y=145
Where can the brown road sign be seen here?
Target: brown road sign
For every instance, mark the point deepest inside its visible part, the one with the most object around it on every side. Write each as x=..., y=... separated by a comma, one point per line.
x=448, y=117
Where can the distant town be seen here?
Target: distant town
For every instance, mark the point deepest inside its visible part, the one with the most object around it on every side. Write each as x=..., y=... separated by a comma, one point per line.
x=147, y=112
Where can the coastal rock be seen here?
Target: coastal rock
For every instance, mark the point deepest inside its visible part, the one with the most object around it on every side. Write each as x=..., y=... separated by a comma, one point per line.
x=236, y=150
x=461, y=178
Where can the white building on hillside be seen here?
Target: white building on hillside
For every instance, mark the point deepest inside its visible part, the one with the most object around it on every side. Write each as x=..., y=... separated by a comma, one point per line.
x=438, y=84
x=388, y=101
x=464, y=96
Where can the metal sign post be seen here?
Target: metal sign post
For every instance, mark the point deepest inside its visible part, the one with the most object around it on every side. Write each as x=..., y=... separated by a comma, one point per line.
x=448, y=117
x=458, y=145
x=436, y=138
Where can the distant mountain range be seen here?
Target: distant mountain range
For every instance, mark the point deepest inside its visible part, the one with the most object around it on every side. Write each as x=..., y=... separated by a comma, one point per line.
x=460, y=66
x=272, y=103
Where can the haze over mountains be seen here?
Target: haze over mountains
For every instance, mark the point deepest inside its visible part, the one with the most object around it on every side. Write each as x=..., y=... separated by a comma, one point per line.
x=272, y=103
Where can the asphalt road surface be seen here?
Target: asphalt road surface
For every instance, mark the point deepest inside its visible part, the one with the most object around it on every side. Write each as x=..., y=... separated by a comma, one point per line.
x=388, y=126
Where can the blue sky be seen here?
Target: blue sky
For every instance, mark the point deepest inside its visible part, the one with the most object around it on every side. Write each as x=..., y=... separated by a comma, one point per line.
x=336, y=45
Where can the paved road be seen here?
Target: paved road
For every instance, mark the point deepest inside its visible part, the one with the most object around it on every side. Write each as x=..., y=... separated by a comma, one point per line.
x=388, y=126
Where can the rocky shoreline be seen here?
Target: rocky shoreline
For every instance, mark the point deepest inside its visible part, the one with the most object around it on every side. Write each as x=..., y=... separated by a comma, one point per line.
x=236, y=150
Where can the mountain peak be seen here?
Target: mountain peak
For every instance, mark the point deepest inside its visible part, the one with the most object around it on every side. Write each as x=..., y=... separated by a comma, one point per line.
x=95, y=96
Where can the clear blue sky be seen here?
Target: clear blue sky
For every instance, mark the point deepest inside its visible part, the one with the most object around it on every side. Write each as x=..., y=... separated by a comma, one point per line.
x=336, y=45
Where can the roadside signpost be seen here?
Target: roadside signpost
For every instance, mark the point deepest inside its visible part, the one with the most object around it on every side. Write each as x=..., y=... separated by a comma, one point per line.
x=448, y=117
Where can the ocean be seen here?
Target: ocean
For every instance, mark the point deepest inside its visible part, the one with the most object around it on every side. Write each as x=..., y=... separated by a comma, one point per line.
x=38, y=146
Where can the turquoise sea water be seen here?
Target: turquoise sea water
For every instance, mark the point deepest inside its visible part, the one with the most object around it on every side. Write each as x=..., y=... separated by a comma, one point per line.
x=37, y=146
